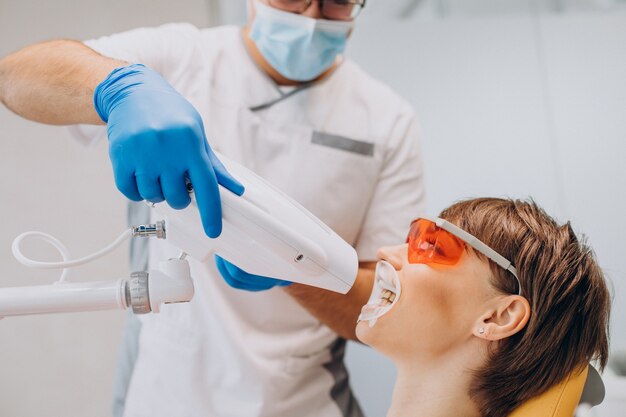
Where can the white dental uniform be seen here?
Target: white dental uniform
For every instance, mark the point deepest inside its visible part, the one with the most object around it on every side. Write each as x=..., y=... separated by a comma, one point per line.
x=346, y=148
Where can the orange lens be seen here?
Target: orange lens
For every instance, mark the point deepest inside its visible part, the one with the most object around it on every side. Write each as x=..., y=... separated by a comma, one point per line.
x=428, y=243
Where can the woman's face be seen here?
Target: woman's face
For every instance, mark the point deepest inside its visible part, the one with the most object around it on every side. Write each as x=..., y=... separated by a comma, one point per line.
x=439, y=307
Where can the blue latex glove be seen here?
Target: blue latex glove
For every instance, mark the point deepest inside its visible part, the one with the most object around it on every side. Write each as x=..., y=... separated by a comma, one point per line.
x=156, y=141
x=240, y=279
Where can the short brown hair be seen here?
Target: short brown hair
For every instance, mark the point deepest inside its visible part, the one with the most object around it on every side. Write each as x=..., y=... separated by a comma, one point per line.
x=567, y=292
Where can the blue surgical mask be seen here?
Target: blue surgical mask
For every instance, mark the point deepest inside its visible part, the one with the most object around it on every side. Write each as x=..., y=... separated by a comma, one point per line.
x=300, y=48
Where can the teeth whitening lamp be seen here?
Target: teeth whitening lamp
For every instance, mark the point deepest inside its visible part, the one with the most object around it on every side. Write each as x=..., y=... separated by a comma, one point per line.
x=264, y=233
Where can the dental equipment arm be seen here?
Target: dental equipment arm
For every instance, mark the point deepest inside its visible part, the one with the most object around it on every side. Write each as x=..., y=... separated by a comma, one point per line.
x=143, y=291
x=134, y=293
x=264, y=232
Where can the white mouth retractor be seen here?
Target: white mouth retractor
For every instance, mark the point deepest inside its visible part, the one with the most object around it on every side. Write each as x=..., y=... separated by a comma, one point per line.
x=385, y=279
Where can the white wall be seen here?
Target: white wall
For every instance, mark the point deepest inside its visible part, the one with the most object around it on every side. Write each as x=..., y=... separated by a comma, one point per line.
x=512, y=105
x=63, y=365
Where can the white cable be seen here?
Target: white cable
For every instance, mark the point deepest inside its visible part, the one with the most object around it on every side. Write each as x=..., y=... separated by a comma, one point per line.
x=66, y=263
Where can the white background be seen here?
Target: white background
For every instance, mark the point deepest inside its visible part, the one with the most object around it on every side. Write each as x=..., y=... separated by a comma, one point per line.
x=516, y=98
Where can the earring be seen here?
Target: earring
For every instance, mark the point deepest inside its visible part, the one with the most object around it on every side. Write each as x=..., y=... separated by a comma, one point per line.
x=481, y=330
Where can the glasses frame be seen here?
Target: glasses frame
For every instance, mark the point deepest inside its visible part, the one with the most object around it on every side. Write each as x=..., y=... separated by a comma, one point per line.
x=307, y=4
x=476, y=244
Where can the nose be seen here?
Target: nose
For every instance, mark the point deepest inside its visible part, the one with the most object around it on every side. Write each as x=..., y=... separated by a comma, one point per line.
x=314, y=10
x=393, y=254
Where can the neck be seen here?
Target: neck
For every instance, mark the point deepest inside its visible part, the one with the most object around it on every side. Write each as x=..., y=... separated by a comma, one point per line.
x=265, y=66
x=433, y=388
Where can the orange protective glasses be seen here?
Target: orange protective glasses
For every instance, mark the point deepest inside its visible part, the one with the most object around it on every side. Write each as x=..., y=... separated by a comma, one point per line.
x=441, y=242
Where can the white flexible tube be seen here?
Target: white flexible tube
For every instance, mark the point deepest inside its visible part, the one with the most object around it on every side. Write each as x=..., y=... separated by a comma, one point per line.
x=66, y=263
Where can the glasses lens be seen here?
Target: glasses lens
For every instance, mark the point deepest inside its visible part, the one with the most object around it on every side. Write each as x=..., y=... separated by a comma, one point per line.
x=341, y=9
x=293, y=6
x=428, y=243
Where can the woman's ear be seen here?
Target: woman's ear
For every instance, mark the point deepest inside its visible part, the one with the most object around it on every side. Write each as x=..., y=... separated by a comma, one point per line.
x=504, y=318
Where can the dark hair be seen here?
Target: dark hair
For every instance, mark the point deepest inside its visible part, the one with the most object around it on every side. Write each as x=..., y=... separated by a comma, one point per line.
x=567, y=292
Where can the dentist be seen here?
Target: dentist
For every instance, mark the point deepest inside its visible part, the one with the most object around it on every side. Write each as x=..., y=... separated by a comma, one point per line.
x=279, y=97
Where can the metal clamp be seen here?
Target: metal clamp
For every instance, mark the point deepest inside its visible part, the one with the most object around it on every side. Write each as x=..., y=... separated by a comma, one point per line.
x=137, y=293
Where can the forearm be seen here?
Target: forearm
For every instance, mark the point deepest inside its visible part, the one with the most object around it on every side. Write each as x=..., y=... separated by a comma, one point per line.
x=337, y=311
x=53, y=82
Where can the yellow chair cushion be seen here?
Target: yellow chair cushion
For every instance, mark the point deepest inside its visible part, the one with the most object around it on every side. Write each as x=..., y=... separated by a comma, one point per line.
x=559, y=401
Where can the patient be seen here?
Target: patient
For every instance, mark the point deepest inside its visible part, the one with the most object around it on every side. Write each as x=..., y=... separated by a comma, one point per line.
x=472, y=334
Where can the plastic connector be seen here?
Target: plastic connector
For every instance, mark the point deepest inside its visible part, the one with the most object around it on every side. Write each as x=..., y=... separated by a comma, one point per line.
x=147, y=230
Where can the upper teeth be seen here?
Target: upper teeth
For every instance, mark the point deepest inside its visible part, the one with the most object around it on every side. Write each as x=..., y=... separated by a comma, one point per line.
x=388, y=295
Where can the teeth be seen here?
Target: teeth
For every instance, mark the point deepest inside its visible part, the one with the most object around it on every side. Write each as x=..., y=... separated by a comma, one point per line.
x=385, y=292
x=386, y=298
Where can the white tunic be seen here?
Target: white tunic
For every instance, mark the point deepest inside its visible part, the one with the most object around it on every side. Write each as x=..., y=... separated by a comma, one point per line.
x=347, y=149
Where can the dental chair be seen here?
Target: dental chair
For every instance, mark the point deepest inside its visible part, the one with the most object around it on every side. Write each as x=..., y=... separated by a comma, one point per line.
x=563, y=399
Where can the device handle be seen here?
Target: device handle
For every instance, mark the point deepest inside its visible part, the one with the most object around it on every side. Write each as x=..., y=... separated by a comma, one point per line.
x=243, y=212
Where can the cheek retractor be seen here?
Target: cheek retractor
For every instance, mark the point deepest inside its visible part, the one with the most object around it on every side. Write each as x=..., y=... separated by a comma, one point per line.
x=385, y=293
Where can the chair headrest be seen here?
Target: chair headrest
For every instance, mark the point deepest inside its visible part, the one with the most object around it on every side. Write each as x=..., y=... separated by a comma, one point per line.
x=593, y=391
x=562, y=399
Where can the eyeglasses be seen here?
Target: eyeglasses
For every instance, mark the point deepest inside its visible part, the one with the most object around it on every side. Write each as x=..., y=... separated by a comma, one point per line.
x=331, y=9
x=441, y=242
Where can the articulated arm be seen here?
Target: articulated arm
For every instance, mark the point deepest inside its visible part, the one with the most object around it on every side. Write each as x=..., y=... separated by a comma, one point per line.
x=144, y=292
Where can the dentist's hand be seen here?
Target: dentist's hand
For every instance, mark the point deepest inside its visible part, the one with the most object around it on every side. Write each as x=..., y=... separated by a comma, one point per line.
x=240, y=279
x=156, y=140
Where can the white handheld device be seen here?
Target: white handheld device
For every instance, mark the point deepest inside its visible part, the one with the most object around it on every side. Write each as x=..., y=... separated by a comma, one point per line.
x=266, y=233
